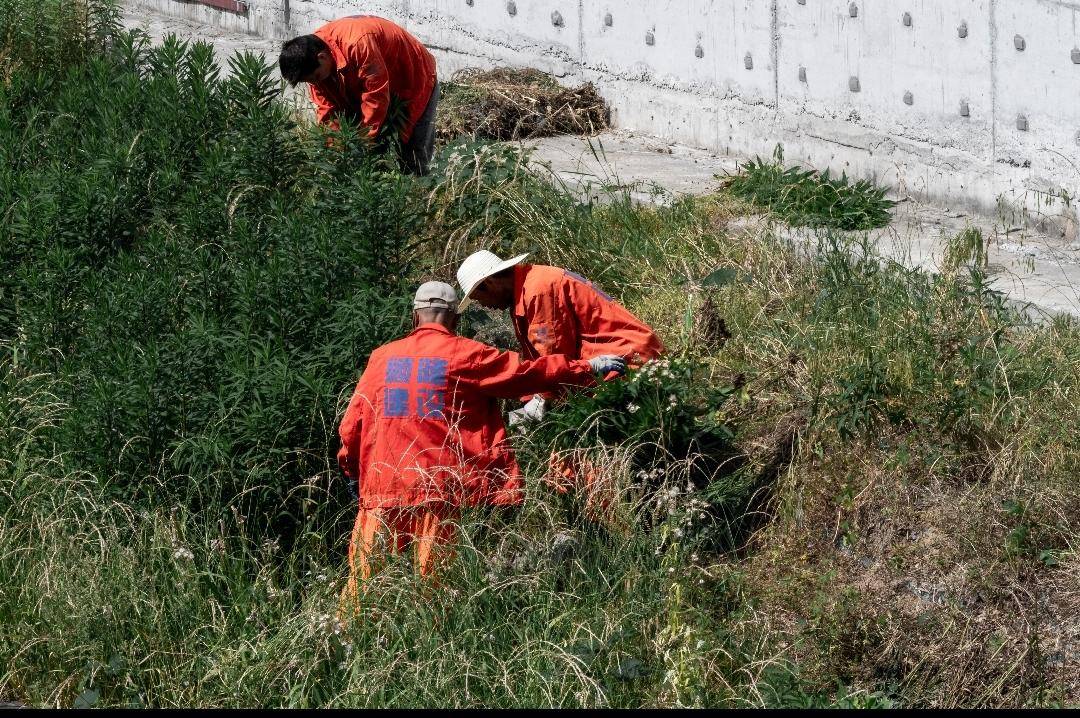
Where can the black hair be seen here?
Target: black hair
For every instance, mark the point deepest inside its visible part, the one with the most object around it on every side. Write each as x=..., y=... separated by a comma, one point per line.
x=299, y=57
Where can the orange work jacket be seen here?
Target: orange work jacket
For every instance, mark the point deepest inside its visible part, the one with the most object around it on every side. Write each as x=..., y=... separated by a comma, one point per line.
x=374, y=59
x=424, y=423
x=559, y=312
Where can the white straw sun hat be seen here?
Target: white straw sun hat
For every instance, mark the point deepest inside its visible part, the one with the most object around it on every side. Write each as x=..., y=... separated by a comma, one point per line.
x=477, y=267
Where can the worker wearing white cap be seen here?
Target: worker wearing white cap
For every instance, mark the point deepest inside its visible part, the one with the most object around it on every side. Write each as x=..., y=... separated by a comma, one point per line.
x=423, y=434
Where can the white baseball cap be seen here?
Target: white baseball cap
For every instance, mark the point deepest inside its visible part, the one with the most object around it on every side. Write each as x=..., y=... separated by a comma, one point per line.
x=477, y=267
x=435, y=295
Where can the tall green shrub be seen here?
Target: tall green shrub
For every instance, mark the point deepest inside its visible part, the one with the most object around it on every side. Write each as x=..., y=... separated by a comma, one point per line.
x=205, y=276
x=44, y=37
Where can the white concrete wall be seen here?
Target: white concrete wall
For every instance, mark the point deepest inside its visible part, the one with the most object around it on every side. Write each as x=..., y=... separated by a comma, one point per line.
x=740, y=76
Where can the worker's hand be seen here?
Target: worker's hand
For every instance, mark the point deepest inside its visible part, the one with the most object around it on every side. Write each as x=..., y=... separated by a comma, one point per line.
x=354, y=490
x=607, y=363
x=533, y=410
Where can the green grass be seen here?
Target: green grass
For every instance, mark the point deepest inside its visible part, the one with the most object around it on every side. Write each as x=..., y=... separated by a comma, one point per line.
x=808, y=198
x=862, y=495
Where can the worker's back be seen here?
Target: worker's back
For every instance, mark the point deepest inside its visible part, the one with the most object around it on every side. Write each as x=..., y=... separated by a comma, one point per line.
x=426, y=432
x=424, y=423
x=557, y=311
x=361, y=41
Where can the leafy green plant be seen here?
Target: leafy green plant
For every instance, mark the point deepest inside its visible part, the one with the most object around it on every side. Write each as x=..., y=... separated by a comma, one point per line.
x=205, y=277
x=43, y=39
x=966, y=246
x=661, y=434
x=809, y=198
x=668, y=404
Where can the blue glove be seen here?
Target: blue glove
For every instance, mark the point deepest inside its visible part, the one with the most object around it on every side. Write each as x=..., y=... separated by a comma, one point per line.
x=354, y=491
x=607, y=363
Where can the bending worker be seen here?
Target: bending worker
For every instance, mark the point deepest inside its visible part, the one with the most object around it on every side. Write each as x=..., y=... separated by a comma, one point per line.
x=354, y=66
x=555, y=311
x=424, y=436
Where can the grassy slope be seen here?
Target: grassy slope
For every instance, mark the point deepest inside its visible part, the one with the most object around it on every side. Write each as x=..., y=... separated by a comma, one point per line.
x=921, y=540
x=910, y=475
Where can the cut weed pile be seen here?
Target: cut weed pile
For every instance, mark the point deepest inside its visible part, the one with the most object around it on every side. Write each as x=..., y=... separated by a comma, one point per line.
x=516, y=104
x=849, y=483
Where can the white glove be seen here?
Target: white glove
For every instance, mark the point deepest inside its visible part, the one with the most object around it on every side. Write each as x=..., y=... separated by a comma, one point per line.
x=533, y=410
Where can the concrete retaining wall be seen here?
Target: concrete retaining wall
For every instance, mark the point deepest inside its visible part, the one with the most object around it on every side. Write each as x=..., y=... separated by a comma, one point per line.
x=971, y=102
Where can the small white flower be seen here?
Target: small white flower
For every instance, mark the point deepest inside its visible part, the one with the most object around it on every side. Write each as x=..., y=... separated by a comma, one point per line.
x=184, y=554
x=632, y=408
x=329, y=625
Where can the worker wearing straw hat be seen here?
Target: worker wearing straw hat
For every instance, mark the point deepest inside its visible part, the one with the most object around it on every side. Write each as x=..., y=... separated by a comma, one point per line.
x=555, y=311
x=423, y=434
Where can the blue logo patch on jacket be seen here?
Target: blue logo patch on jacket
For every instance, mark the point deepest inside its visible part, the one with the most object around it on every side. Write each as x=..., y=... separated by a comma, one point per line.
x=586, y=282
x=426, y=399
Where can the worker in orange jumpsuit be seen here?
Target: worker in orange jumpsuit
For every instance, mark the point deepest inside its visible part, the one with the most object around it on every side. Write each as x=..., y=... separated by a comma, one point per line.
x=555, y=311
x=355, y=66
x=423, y=434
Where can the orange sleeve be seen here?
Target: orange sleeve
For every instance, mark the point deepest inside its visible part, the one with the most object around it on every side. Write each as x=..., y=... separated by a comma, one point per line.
x=374, y=78
x=325, y=110
x=505, y=375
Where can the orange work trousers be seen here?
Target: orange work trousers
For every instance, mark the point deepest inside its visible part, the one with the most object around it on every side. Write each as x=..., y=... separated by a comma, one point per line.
x=429, y=530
